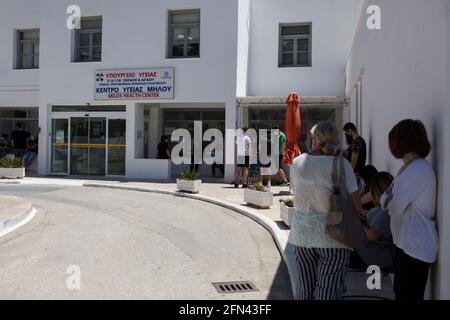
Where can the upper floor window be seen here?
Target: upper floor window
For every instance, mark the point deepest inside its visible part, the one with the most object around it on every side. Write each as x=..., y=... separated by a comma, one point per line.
x=184, y=34
x=88, y=40
x=295, y=45
x=28, y=49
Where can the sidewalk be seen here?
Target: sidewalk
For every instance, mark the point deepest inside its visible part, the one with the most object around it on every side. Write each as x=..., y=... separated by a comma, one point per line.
x=227, y=196
x=14, y=212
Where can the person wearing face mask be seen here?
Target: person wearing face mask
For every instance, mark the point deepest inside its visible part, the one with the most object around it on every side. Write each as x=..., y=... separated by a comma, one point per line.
x=357, y=149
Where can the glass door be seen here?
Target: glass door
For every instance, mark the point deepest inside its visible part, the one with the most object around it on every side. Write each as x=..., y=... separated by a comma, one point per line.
x=88, y=146
x=60, y=146
x=79, y=146
x=93, y=146
x=116, y=147
x=97, y=146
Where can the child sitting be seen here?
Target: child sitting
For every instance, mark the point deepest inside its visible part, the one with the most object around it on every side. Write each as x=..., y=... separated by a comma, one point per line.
x=378, y=247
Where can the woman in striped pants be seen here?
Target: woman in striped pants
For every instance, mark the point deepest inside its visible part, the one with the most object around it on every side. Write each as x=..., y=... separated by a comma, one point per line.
x=321, y=261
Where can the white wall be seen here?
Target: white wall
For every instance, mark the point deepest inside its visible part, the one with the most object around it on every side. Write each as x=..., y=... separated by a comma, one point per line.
x=134, y=36
x=18, y=88
x=403, y=78
x=333, y=26
x=444, y=262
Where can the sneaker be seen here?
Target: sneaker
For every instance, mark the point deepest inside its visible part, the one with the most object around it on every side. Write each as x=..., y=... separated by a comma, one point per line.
x=284, y=184
x=236, y=185
x=245, y=186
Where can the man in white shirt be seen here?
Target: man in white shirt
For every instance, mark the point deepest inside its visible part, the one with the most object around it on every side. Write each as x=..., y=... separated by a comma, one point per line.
x=243, y=150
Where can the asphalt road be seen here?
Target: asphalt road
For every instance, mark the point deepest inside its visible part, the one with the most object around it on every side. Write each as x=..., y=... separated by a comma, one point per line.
x=131, y=245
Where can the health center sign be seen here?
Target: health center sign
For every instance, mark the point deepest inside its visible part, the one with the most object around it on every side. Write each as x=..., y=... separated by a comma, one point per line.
x=134, y=84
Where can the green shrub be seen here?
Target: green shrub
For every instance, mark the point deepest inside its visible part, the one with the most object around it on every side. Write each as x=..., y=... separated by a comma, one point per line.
x=289, y=202
x=190, y=175
x=259, y=187
x=11, y=163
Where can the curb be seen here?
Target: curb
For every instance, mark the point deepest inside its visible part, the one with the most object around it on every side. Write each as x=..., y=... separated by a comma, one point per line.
x=278, y=235
x=17, y=221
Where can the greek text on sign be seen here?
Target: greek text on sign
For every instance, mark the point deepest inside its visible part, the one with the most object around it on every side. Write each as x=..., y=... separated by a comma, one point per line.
x=134, y=84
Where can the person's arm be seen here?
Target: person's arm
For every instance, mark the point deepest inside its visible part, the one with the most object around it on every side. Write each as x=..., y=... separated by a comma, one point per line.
x=366, y=199
x=355, y=157
x=357, y=205
x=372, y=234
x=353, y=190
x=403, y=191
x=283, y=144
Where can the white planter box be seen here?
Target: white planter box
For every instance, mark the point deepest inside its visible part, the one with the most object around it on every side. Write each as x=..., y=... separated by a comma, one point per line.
x=12, y=173
x=192, y=186
x=286, y=214
x=258, y=199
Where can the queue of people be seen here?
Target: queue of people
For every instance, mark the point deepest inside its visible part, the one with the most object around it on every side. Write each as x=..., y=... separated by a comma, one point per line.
x=20, y=144
x=397, y=215
x=261, y=171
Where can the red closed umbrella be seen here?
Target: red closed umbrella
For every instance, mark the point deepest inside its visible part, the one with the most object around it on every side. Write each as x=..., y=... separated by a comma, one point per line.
x=293, y=128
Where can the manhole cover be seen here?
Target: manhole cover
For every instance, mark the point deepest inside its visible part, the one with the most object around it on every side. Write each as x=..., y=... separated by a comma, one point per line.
x=234, y=287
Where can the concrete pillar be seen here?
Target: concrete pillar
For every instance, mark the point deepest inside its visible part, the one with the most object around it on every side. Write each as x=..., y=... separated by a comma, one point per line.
x=130, y=136
x=230, y=126
x=154, y=131
x=139, y=132
x=44, y=156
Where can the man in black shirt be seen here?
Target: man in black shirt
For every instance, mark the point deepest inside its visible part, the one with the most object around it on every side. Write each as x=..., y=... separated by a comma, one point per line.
x=357, y=148
x=163, y=149
x=19, y=139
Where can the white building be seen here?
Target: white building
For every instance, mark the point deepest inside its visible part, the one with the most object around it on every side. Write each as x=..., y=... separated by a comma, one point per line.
x=232, y=63
x=227, y=58
x=403, y=72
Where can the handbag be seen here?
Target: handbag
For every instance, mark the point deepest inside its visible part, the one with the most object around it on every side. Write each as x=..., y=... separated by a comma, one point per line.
x=343, y=224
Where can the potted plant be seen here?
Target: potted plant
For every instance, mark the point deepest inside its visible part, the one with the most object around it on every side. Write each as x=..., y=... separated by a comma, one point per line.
x=189, y=182
x=287, y=210
x=12, y=168
x=258, y=196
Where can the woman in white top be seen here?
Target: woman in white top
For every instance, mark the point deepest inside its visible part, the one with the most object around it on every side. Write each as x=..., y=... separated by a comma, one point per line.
x=321, y=261
x=411, y=201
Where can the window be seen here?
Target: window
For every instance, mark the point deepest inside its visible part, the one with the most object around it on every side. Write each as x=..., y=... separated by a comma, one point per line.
x=88, y=40
x=295, y=45
x=184, y=34
x=28, y=49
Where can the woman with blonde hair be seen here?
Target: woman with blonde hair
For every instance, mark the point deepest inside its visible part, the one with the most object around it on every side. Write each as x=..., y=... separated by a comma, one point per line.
x=321, y=261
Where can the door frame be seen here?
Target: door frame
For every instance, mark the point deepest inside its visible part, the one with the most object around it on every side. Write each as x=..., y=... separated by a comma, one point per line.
x=68, y=116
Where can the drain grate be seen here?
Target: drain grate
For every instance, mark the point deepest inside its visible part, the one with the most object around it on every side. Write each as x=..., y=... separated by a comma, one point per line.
x=235, y=287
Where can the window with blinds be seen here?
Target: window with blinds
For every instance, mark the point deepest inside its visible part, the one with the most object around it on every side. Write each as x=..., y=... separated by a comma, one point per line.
x=295, y=45
x=88, y=40
x=28, y=49
x=184, y=34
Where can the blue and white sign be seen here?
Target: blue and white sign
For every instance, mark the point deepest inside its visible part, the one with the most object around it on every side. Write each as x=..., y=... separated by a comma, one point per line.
x=134, y=84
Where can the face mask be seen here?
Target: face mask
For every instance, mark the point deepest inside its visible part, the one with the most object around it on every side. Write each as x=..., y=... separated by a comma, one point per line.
x=349, y=139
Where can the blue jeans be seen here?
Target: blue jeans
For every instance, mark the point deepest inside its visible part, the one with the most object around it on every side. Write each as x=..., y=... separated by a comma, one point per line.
x=28, y=158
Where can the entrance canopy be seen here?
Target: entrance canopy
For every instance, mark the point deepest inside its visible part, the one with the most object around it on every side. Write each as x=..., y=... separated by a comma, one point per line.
x=270, y=112
x=307, y=102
